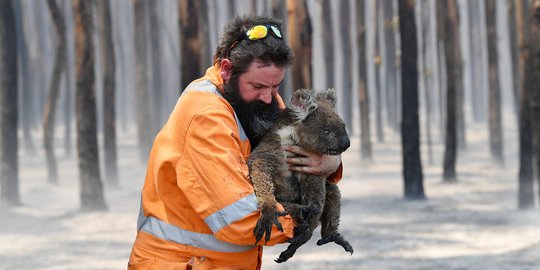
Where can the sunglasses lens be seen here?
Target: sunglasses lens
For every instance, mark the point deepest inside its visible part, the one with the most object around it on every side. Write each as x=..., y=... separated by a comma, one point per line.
x=257, y=32
x=276, y=31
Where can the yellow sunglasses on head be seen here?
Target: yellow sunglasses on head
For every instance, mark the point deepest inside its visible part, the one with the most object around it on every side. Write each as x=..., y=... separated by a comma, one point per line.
x=258, y=32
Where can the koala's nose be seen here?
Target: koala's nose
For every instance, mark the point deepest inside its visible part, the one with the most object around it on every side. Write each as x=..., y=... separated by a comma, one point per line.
x=345, y=143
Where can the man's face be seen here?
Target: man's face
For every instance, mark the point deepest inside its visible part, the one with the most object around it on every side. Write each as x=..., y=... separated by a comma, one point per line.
x=252, y=95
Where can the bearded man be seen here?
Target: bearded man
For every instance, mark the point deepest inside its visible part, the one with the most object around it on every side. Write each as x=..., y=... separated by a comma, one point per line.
x=198, y=207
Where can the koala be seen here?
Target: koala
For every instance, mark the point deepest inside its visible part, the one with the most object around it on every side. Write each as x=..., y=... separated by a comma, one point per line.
x=310, y=121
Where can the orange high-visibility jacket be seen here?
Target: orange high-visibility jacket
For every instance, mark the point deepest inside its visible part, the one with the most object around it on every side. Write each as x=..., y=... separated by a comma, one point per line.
x=197, y=200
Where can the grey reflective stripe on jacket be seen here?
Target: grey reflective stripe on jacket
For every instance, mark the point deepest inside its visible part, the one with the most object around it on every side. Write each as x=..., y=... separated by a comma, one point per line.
x=166, y=231
x=209, y=87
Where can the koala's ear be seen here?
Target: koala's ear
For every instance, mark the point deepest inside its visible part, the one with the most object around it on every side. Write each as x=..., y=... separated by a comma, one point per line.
x=328, y=95
x=302, y=103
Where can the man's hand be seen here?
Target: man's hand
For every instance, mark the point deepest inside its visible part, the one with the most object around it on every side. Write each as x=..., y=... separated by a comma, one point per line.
x=312, y=163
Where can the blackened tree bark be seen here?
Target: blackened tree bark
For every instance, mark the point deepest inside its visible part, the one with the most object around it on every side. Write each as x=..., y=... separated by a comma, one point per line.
x=495, y=121
x=410, y=133
x=190, y=40
x=533, y=65
x=377, y=83
x=428, y=74
x=141, y=87
x=514, y=51
x=9, y=167
x=68, y=104
x=155, y=101
x=54, y=89
x=365, y=137
x=451, y=48
x=346, y=49
x=328, y=40
x=300, y=40
x=525, y=175
x=91, y=188
x=109, y=96
x=390, y=62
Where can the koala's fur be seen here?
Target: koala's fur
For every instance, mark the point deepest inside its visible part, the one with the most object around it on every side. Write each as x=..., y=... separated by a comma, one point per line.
x=310, y=121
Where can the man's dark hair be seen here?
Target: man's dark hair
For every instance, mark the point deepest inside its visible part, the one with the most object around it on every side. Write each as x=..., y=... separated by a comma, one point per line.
x=271, y=48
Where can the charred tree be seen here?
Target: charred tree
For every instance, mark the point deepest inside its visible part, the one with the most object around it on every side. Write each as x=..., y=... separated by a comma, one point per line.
x=91, y=188
x=9, y=167
x=54, y=89
x=526, y=174
x=428, y=74
x=346, y=49
x=410, y=130
x=377, y=83
x=68, y=75
x=190, y=40
x=300, y=40
x=390, y=24
x=451, y=50
x=365, y=137
x=141, y=87
x=495, y=120
x=328, y=40
x=514, y=51
x=533, y=66
x=109, y=95
x=155, y=99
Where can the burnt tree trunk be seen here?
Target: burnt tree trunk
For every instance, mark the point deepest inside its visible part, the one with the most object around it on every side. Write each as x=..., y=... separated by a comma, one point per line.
x=328, y=40
x=410, y=130
x=514, y=51
x=142, y=109
x=495, y=121
x=451, y=48
x=428, y=74
x=390, y=63
x=346, y=49
x=365, y=139
x=300, y=40
x=377, y=83
x=54, y=89
x=9, y=167
x=68, y=75
x=190, y=41
x=91, y=188
x=109, y=96
x=533, y=66
x=155, y=99
x=525, y=175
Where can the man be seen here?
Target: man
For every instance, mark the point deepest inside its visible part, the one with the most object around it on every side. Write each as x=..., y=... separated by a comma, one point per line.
x=198, y=207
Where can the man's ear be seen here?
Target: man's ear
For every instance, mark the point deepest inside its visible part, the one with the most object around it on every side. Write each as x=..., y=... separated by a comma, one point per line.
x=226, y=69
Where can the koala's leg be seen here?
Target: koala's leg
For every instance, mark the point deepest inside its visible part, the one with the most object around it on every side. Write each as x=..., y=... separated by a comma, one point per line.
x=330, y=219
x=261, y=171
x=313, y=196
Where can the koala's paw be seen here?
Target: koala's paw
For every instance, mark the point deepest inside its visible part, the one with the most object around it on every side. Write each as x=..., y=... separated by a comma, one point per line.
x=338, y=239
x=269, y=217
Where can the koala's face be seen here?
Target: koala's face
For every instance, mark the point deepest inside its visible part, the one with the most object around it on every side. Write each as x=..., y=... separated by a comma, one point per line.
x=323, y=131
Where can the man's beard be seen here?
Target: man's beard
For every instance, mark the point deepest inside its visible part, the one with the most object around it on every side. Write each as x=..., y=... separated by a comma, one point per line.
x=256, y=117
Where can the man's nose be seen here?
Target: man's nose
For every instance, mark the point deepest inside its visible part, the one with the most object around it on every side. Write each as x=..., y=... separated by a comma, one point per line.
x=266, y=97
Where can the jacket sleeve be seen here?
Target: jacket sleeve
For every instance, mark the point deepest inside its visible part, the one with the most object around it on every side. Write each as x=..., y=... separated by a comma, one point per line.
x=219, y=189
x=336, y=177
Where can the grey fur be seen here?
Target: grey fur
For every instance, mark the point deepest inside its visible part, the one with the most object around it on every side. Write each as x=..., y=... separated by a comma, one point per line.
x=310, y=121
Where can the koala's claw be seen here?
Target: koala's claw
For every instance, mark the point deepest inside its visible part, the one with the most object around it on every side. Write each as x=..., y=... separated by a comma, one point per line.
x=338, y=239
x=264, y=225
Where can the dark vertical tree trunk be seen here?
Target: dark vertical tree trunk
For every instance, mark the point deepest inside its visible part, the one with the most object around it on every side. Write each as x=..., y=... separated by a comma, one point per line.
x=365, y=139
x=68, y=103
x=54, y=89
x=328, y=51
x=451, y=49
x=279, y=11
x=378, y=90
x=533, y=85
x=390, y=63
x=526, y=175
x=232, y=7
x=495, y=120
x=477, y=67
x=346, y=49
x=428, y=74
x=156, y=97
x=514, y=51
x=142, y=96
x=9, y=167
x=459, y=84
x=300, y=40
x=440, y=18
x=190, y=40
x=91, y=188
x=109, y=96
x=410, y=130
